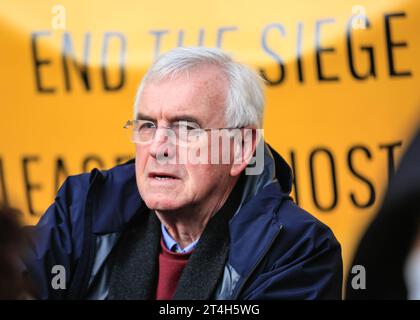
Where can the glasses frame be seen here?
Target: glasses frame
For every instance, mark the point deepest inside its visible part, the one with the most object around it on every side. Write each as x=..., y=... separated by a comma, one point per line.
x=132, y=123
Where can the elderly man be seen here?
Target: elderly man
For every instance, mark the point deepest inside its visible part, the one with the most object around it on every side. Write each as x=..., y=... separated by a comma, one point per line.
x=188, y=219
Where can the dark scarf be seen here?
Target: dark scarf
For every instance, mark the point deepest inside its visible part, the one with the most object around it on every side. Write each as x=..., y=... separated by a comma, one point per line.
x=135, y=271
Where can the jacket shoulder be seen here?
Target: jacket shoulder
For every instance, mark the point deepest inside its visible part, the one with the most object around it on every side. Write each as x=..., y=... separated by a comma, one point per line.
x=300, y=224
x=75, y=188
x=304, y=261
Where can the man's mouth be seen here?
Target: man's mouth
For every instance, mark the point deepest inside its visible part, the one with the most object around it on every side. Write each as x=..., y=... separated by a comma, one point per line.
x=161, y=176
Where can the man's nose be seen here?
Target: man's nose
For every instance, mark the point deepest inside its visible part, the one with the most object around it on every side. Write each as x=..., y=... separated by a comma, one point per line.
x=163, y=144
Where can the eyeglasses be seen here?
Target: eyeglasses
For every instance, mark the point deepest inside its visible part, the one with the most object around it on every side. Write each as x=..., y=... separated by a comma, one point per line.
x=180, y=132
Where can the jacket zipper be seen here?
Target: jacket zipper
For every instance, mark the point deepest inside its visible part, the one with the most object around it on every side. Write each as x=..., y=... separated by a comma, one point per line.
x=268, y=247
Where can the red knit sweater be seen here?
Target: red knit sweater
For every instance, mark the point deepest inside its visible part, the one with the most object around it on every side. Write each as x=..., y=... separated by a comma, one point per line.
x=171, y=265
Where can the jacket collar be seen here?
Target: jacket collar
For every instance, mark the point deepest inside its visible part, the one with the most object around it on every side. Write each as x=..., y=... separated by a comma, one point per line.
x=254, y=228
x=117, y=200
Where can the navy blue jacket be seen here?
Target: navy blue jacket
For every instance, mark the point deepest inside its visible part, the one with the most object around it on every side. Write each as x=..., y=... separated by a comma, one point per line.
x=276, y=251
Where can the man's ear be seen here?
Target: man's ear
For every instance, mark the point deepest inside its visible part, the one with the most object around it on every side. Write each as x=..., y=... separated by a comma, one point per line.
x=244, y=150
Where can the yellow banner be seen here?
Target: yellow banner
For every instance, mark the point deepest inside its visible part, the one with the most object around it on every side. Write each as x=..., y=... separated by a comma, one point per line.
x=342, y=90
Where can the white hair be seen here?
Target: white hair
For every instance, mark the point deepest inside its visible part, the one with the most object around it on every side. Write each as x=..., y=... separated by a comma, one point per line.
x=245, y=94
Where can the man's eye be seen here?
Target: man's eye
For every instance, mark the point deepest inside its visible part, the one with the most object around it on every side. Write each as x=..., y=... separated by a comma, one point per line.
x=191, y=127
x=147, y=125
x=186, y=126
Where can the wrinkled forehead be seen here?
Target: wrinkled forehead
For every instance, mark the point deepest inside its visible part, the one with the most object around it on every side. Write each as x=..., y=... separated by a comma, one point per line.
x=199, y=93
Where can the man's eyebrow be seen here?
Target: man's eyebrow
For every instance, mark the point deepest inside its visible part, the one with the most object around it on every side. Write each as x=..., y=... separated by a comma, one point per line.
x=141, y=116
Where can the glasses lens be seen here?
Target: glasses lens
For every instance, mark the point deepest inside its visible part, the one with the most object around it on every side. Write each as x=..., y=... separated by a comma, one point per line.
x=144, y=131
x=140, y=131
x=181, y=133
x=195, y=135
x=187, y=132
